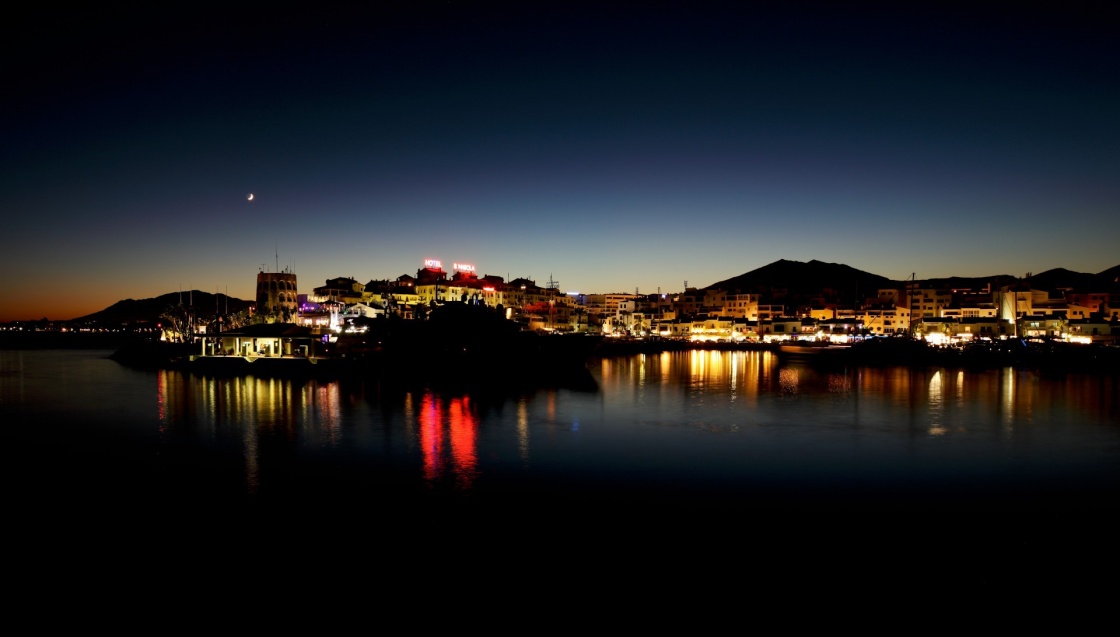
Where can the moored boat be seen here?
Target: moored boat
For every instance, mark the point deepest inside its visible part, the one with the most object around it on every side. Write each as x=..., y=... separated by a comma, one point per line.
x=812, y=351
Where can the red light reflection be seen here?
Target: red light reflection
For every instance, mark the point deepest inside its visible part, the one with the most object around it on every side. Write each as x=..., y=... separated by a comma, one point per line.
x=455, y=422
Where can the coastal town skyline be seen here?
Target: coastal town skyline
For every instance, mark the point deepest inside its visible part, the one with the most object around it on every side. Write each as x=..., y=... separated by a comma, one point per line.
x=611, y=148
x=305, y=288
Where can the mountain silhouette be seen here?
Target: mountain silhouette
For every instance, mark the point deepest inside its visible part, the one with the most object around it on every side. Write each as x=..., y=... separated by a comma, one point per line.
x=798, y=283
x=1059, y=278
x=785, y=278
x=1111, y=275
x=205, y=304
x=1054, y=281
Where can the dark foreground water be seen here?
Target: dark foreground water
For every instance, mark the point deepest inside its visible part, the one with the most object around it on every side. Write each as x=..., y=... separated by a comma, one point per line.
x=679, y=453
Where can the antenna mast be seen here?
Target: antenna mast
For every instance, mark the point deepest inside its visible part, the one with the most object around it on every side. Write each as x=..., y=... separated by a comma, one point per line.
x=910, y=302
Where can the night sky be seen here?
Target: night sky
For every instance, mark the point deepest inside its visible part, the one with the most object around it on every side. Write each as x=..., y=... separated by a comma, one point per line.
x=610, y=147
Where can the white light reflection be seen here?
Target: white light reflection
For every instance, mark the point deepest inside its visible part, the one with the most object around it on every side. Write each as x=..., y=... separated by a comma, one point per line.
x=523, y=430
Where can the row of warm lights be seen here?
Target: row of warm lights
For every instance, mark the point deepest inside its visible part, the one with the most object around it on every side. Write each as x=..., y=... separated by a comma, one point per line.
x=933, y=338
x=81, y=330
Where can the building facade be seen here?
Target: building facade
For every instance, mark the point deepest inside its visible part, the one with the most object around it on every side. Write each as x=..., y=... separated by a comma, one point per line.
x=277, y=296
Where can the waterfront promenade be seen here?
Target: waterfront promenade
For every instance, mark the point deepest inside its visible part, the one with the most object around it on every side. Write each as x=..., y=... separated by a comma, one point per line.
x=902, y=351
x=421, y=354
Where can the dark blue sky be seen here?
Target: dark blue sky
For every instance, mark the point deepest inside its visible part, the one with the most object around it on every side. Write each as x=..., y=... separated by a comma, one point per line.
x=610, y=147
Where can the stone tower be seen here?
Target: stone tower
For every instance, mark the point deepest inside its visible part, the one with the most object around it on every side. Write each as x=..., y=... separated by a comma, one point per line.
x=276, y=296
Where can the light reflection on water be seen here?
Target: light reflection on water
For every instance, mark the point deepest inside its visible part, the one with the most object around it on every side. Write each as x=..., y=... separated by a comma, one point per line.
x=674, y=421
x=448, y=439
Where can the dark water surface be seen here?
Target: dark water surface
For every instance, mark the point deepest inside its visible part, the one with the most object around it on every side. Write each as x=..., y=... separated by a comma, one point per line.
x=712, y=447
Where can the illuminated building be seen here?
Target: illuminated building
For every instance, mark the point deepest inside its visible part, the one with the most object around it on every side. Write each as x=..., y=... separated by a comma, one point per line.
x=343, y=289
x=277, y=298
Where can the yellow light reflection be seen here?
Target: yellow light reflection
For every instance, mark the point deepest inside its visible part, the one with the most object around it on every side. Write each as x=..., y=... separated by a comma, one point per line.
x=733, y=381
x=251, y=440
x=1007, y=396
x=788, y=380
x=161, y=400
x=936, y=416
x=249, y=409
x=839, y=384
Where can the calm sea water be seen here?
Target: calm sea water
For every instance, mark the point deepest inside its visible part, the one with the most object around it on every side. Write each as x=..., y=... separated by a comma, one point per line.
x=724, y=441
x=708, y=426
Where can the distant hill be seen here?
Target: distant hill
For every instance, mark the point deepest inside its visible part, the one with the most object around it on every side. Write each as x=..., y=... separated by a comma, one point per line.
x=798, y=279
x=1112, y=274
x=149, y=310
x=1050, y=280
x=1062, y=278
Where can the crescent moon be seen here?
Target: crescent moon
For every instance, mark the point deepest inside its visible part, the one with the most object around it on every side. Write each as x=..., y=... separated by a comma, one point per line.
x=250, y=196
